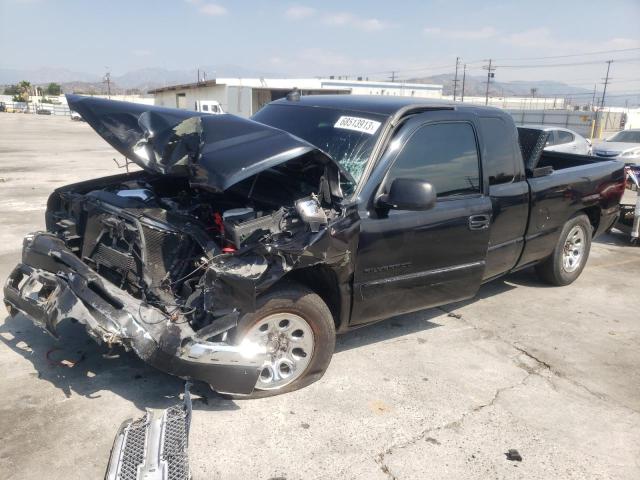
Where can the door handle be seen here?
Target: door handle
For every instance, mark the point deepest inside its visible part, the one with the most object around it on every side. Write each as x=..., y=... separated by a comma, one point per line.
x=479, y=222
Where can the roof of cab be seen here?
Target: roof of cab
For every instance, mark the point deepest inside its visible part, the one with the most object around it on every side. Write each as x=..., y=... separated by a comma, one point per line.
x=378, y=104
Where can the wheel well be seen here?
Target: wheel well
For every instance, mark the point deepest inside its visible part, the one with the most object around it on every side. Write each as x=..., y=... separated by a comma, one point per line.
x=593, y=213
x=322, y=281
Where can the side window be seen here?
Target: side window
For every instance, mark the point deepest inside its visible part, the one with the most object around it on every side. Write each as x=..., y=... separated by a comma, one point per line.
x=500, y=157
x=444, y=155
x=205, y=108
x=564, y=137
x=551, y=139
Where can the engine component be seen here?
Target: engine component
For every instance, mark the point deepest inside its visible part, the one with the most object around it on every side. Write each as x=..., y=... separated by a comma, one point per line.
x=143, y=194
x=239, y=232
x=239, y=214
x=311, y=213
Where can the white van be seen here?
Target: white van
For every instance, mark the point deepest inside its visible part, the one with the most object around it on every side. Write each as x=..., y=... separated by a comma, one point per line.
x=209, y=106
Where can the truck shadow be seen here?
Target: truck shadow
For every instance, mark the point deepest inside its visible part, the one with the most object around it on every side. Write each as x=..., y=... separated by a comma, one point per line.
x=388, y=329
x=423, y=320
x=78, y=366
x=615, y=237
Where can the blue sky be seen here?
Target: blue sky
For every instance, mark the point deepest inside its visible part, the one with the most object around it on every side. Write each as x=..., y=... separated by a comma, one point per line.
x=323, y=38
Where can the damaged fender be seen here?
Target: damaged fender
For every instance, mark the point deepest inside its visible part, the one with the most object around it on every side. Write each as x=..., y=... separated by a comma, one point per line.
x=51, y=285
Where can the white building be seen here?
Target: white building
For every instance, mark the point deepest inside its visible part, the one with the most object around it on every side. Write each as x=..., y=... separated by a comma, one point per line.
x=245, y=96
x=524, y=103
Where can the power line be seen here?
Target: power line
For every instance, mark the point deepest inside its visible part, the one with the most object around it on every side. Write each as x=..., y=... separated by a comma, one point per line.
x=573, y=54
x=553, y=65
x=549, y=57
x=386, y=72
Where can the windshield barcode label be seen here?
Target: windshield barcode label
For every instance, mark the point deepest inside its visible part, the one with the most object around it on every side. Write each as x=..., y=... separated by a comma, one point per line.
x=357, y=124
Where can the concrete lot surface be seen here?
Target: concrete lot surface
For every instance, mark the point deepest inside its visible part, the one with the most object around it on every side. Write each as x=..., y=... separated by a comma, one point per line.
x=444, y=393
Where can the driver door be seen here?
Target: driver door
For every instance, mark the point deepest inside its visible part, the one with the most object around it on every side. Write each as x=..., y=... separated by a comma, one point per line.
x=411, y=260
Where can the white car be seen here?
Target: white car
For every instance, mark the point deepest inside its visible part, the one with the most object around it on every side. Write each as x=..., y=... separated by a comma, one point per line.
x=76, y=116
x=623, y=146
x=564, y=140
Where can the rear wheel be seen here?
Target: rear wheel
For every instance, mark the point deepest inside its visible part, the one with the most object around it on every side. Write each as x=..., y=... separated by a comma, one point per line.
x=570, y=254
x=297, y=329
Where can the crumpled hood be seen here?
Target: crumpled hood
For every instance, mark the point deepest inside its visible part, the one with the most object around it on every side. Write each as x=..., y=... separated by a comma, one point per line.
x=617, y=147
x=214, y=151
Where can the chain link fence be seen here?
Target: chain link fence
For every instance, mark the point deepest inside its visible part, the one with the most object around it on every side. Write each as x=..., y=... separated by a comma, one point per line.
x=37, y=108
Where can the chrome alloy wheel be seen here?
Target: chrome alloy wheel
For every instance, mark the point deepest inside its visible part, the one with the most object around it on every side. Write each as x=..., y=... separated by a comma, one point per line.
x=289, y=343
x=573, y=249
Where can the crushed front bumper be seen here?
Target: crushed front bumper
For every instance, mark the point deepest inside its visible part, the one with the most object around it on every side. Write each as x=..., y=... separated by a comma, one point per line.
x=52, y=284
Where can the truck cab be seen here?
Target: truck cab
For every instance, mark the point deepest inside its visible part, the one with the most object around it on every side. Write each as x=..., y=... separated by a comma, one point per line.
x=501, y=202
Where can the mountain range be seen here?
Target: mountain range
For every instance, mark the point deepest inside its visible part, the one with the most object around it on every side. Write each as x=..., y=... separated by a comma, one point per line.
x=143, y=79
x=476, y=86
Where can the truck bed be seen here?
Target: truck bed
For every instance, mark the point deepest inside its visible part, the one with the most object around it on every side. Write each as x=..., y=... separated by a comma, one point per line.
x=561, y=160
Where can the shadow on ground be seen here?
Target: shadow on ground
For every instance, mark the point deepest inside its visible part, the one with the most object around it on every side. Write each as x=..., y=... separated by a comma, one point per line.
x=615, y=237
x=75, y=364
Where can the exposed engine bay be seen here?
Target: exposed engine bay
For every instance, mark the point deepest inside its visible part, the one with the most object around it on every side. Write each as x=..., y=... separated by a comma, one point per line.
x=166, y=261
x=156, y=237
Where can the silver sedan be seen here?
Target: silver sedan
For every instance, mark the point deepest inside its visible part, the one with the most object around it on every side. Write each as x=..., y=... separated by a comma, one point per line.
x=624, y=146
x=564, y=140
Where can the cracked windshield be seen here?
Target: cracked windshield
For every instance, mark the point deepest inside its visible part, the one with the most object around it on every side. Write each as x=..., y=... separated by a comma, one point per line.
x=347, y=136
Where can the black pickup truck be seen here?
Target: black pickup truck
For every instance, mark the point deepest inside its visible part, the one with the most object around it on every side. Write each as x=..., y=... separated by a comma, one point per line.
x=241, y=247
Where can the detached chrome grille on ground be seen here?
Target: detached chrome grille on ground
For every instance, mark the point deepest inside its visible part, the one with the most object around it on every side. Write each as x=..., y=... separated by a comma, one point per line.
x=153, y=447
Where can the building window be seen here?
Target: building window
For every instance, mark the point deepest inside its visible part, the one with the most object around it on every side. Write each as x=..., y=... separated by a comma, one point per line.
x=181, y=100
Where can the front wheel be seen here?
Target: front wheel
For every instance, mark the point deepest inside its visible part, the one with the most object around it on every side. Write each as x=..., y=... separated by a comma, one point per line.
x=298, y=331
x=570, y=254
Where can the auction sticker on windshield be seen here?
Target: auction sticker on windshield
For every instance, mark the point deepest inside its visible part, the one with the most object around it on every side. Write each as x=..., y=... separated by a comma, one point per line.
x=357, y=124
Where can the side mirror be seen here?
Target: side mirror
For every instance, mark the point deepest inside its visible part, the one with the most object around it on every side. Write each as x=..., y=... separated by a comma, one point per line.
x=408, y=194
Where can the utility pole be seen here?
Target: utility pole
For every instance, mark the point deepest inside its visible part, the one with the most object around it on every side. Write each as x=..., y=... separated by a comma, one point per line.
x=393, y=76
x=490, y=75
x=455, y=80
x=107, y=80
x=604, y=92
x=593, y=100
x=464, y=77
x=606, y=82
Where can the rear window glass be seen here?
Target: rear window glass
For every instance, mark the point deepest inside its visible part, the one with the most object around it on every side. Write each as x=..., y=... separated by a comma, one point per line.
x=564, y=137
x=499, y=153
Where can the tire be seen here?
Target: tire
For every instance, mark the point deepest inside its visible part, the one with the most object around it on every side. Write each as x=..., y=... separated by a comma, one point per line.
x=562, y=269
x=296, y=304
